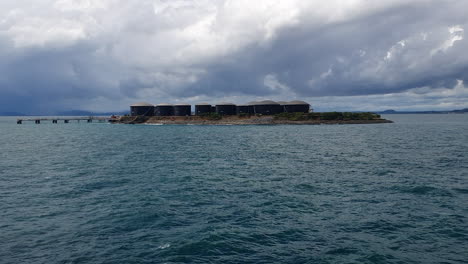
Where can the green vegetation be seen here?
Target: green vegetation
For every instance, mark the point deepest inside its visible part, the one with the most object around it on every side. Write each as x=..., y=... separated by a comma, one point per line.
x=293, y=116
x=327, y=116
x=243, y=115
x=212, y=116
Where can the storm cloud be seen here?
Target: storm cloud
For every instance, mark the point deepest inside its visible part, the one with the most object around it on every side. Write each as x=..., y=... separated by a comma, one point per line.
x=346, y=55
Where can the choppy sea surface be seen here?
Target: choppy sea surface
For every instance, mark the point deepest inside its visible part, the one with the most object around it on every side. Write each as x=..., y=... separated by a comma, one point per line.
x=101, y=193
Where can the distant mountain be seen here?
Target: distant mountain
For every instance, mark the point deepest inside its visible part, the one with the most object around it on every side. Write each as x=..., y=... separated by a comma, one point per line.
x=75, y=113
x=11, y=114
x=388, y=112
x=461, y=111
x=66, y=113
x=88, y=113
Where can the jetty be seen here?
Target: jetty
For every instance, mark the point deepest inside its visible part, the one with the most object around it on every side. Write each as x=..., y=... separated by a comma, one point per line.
x=66, y=120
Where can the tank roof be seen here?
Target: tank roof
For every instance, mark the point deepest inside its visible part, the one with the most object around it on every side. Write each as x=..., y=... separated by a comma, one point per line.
x=264, y=102
x=224, y=103
x=203, y=104
x=142, y=104
x=297, y=102
x=163, y=104
x=182, y=104
x=282, y=102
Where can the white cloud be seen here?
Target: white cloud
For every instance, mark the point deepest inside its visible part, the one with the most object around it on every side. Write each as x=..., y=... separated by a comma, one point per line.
x=40, y=32
x=271, y=81
x=456, y=34
x=80, y=5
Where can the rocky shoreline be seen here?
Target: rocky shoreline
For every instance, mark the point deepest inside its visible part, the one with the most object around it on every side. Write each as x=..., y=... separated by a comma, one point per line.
x=238, y=120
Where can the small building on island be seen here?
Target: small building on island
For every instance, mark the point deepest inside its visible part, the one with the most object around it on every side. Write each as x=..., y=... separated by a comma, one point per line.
x=142, y=109
x=164, y=110
x=182, y=109
x=202, y=109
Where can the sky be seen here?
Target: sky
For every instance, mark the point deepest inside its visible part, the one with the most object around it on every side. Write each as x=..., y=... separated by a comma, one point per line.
x=343, y=55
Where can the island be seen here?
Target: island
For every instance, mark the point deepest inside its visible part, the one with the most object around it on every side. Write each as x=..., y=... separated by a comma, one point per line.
x=313, y=118
x=266, y=112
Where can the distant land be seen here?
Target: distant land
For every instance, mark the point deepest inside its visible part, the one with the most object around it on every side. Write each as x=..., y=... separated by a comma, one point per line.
x=11, y=114
x=69, y=113
x=389, y=112
x=89, y=113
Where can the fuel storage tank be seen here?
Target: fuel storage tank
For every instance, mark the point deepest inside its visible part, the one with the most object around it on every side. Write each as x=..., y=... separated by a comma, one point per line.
x=266, y=107
x=142, y=109
x=202, y=109
x=297, y=107
x=164, y=110
x=244, y=109
x=225, y=108
x=182, y=110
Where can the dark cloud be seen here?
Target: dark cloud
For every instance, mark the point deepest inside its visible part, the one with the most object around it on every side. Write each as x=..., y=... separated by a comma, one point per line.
x=45, y=79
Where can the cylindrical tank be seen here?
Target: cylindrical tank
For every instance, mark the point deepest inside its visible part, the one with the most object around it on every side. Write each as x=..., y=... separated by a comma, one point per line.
x=142, y=109
x=225, y=108
x=266, y=107
x=164, y=110
x=282, y=104
x=244, y=109
x=182, y=110
x=297, y=107
x=202, y=108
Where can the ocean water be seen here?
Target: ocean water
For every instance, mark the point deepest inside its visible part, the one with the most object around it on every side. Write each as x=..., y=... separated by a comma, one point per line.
x=102, y=193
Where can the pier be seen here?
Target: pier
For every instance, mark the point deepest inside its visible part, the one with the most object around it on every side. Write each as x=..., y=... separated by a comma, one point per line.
x=66, y=120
